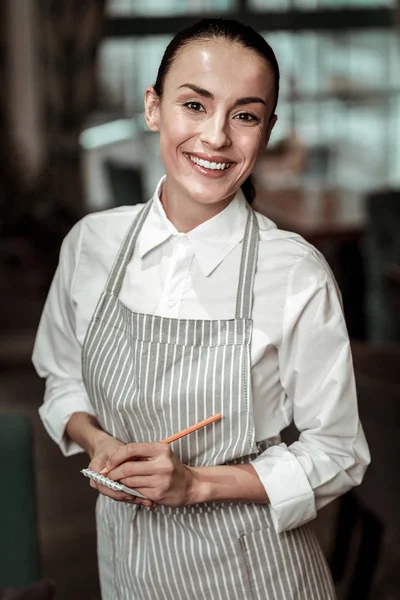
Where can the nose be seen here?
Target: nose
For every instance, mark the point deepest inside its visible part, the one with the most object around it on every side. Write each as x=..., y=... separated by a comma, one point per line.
x=215, y=132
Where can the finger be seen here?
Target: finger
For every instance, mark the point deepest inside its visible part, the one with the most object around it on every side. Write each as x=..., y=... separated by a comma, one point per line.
x=97, y=465
x=117, y=496
x=120, y=496
x=141, y=501
x=132, y=468
x=137, y=450
x=136, y=483
x=148, y=503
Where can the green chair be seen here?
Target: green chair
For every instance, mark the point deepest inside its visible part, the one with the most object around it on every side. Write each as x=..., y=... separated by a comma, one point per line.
x=19, y=546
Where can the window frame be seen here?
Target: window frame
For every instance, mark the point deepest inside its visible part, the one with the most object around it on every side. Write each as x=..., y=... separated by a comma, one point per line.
x=326, y=19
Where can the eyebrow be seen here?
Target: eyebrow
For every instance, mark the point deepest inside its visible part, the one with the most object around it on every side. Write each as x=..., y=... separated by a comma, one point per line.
x=207, y=94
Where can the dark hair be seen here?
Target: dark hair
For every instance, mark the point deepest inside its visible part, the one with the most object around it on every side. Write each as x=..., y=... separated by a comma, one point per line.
x=228, y=29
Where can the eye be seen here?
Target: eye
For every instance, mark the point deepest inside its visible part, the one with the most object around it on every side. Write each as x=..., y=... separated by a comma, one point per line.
x=247, y=117
x=194, y=106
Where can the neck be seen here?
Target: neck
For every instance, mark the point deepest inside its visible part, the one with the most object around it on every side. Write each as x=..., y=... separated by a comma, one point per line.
x=185, y=213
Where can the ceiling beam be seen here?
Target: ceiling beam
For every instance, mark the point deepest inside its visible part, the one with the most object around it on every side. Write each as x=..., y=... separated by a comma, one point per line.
x=292, y=20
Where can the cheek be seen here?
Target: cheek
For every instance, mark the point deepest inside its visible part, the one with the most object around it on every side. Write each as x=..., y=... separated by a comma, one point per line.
x=172, y=140
x=177, y=130
x=251, y=144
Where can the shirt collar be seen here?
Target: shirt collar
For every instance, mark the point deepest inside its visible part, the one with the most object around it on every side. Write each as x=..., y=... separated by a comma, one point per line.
x=211, y=241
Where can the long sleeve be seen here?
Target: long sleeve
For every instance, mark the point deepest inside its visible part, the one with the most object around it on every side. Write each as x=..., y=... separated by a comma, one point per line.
x=57, y=351
x=316, y=372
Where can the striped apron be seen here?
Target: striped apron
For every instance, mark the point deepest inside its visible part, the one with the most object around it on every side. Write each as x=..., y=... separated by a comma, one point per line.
x=148, y=377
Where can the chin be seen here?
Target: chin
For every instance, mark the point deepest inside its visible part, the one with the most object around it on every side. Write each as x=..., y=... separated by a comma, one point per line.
x=209, y=194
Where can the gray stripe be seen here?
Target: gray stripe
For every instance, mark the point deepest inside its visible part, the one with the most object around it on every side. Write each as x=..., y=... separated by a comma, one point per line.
x=116, y=277
x=247, y=268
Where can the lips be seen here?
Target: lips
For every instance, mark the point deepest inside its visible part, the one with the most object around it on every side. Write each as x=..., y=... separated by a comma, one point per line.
x=211, y=157
x=211, y=163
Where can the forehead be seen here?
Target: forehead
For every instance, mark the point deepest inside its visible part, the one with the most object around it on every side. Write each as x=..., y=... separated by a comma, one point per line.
x=221, y=65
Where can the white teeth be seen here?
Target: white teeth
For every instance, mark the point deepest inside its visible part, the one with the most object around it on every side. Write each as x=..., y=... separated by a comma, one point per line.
x=209, y=165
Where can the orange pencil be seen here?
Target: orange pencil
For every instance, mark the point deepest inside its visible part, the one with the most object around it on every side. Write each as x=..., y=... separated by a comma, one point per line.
x=180, y=434
x=192, y=428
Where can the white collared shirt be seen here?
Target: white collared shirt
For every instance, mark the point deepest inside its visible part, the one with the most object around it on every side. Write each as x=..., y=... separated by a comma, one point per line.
x=300, y=351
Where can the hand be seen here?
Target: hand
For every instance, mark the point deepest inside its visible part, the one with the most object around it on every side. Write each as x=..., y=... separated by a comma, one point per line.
x=153, y=470
x=103, y=450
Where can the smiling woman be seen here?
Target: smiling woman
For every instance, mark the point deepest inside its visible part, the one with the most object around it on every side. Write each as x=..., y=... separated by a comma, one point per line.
x=163, y=315
x=214, y=100
x=214, y=109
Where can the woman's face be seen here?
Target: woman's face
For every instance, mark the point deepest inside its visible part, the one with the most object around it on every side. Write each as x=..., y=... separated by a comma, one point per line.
x=214, y=119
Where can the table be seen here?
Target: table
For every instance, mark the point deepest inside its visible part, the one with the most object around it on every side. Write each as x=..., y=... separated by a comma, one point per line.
x=317, y=213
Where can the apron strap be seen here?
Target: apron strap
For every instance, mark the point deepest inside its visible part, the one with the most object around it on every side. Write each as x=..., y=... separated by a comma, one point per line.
x=124, y=255
x=248, y=264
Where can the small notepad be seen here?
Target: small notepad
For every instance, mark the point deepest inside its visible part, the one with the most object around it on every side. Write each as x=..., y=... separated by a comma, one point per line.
x=113, y=485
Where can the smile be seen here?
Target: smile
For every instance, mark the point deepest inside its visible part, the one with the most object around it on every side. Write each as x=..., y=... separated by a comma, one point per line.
x=213, y=166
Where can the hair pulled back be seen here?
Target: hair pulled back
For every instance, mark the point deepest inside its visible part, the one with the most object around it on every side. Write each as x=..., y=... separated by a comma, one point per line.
x=226, y=29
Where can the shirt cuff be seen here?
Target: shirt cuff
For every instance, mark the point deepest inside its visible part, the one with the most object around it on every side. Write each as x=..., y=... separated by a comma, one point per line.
x=55, y=415
x=292, y=499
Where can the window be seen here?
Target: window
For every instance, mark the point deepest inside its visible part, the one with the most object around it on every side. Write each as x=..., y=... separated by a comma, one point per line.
x=126, y=68
x=151, y=8
x=283, y=5
x=340, y=89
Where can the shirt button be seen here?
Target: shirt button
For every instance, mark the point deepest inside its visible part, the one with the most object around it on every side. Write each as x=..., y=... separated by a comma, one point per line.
x=171, y=301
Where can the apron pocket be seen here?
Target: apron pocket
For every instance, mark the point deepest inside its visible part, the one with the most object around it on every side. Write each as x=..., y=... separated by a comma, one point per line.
x=289, y=565
x=266, y=565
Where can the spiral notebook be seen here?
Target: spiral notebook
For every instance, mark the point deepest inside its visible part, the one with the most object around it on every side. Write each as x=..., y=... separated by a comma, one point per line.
x=113, y=485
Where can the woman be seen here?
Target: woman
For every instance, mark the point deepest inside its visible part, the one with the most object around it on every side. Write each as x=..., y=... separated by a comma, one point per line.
x=191, y=305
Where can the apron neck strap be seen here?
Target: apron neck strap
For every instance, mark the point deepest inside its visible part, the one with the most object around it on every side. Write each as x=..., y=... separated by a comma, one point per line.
x=248, y=264
x=117, y=273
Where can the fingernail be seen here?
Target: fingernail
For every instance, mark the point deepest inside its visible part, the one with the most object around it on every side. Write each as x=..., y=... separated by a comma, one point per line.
x=105, y=470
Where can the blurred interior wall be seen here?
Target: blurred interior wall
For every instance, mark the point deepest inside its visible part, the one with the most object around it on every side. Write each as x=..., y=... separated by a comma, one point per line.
x=70, y=32
x=23, y=89
x=14, y=173
x=48, y=78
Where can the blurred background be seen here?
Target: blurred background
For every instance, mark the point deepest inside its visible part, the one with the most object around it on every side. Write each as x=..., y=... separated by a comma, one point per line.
x=73, y=141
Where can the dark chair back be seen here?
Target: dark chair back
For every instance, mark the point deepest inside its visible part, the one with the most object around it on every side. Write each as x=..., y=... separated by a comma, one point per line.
x=372, y=508
x=126, y=182
x=382, y=248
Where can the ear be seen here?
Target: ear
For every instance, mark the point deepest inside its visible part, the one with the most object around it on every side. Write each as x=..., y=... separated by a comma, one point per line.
x=270, y=127
x=152, y=109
